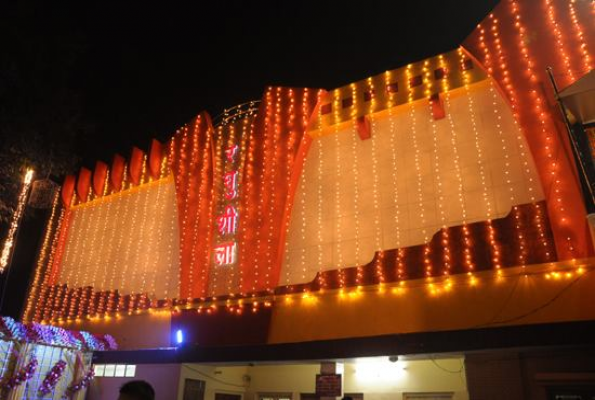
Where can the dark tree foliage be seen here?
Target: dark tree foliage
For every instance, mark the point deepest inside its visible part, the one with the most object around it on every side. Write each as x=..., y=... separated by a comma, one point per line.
x=40, y=109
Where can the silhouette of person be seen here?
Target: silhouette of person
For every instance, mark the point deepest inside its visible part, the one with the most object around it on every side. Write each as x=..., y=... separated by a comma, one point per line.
x=137, y=390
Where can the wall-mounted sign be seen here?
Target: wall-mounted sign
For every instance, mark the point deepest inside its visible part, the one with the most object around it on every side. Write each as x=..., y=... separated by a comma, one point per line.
x=328, y=385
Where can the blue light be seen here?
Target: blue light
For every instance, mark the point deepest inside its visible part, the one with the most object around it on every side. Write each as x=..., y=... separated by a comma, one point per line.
x=179, y=336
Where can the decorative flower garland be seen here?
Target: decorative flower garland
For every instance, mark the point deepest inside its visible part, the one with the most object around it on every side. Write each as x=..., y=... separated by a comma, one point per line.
x=22, y=376
x=83, y=383
x=52, y=378
x=54, y=336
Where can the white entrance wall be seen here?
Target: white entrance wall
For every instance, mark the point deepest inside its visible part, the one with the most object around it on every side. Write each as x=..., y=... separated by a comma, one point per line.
x=376, y=378
x=414, y=176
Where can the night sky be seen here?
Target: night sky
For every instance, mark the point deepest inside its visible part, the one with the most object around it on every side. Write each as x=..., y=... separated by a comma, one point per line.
x=143, y=69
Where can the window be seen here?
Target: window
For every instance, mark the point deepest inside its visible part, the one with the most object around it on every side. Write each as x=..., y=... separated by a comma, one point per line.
x=115, y=370
x=368, y=95
x=392, y=87
x=194, y=389
x=326, y=108
x=467, y=64
x=348, y=102
x=415, y=81
x=439, y=73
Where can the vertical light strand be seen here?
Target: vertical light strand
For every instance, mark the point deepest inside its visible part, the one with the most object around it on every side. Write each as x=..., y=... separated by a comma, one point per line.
x=173, y=224
x=78, y=229
x=302, y=208
x=209, y=205
x=503, y=68
x=15, y=221
x=559, y=37
x=105, y=249
x=494, y=246
x=114, y=251
x=42, y=258
x=220, y=170
x=578, y=31
x=136, y=263
x=356, y=182
x=91, y=257
x=157, y=230
x=541, y=114
x=416, y=157
x=400, y=256
x=428, y=91
x=467, y=259
x=195, y=158
x=319, y=196
x=338, y=210
x=184, y=174
x=379, y=261
x=249, y=190
x=444, y=231
x=273, y=197
x=532, y=187
x=43, y=309
x=264, y=172
x=132, y=225
x=147, y=231
x=57, y=242
x=231, y=141
x=302, y=179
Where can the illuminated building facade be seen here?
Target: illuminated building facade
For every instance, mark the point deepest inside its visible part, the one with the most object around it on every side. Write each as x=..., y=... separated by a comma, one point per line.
x=439, y=196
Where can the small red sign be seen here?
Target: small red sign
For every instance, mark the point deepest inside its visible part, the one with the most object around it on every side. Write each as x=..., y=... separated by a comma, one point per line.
x=328, y=385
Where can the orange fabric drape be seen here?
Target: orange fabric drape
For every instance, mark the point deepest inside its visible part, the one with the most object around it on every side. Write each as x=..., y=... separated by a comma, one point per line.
x=68, y=190
x=99, y=176
x=83, y=184
x=191, y=160
x=117, y=172
x=136, y=165
x=155, y=156
x=276, y=136
x=500, y=50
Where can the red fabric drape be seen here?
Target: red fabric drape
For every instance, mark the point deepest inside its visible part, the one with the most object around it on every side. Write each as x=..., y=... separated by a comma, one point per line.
x=117, y=172
x=83, y=184
x=136, y=165
x=155, y=157
x=191, y=160
x=99, y=176
x=68, y=190
x=276, y=136
x=564, y=202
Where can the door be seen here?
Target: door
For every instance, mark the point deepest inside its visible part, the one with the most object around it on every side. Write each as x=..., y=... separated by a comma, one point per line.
x=194, y=389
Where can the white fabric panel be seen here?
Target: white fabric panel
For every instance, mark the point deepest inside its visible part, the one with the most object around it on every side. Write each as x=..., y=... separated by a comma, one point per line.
x=128, y=241
x=412, y=177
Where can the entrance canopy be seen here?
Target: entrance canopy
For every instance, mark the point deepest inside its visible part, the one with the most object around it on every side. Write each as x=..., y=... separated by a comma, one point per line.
x=579, y=98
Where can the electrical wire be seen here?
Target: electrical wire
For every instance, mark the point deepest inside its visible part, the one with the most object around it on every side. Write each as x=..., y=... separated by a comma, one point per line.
x=541, y=307
x=460, y=370
x=493, y=320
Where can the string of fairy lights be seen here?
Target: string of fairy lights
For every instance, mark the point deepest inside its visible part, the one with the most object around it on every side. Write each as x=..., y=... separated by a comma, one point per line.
x=88, y=223
x=16, y=219
x=444, y=231
x=395, y=171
